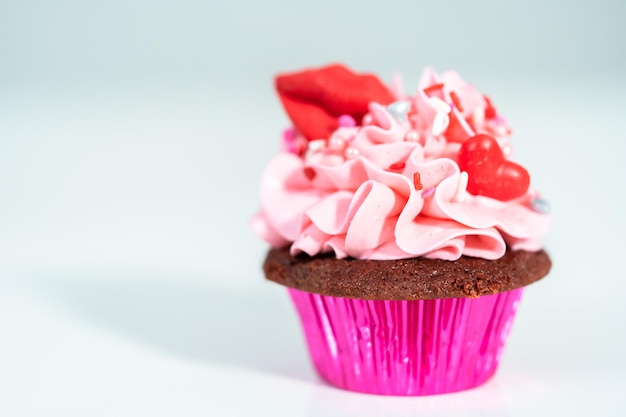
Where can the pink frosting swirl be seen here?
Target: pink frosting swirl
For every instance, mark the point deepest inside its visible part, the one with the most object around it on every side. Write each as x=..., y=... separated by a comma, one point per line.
x=357, y=194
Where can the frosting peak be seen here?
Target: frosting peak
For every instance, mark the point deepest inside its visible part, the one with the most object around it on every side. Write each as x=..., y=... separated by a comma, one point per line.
x=428, y=175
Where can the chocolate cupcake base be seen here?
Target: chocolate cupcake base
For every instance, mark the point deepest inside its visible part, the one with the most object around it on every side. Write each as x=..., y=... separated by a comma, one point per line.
x=406, y=279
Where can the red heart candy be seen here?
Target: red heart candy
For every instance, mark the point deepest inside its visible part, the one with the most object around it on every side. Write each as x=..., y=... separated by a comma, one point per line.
x=489, y=173
x=315, y=98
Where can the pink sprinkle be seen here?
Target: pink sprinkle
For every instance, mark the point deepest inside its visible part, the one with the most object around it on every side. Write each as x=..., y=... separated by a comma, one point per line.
x=428, y=192
x=346, y=121
x=499, y=120
x=289, y=140
x=367, y=119
x=289, y=134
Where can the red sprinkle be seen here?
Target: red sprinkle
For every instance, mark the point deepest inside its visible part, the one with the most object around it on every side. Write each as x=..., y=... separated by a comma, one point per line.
x=309, y=173
x=490, y=111
x=397, y=166
x=417, y=182
x=433, y=88
x=456, y=101
x=301, y=148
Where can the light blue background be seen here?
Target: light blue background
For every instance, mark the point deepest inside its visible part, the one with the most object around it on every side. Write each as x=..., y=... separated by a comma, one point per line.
x=230, y=42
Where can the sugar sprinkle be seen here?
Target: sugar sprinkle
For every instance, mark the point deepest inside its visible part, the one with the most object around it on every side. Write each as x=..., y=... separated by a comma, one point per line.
x=417, y=182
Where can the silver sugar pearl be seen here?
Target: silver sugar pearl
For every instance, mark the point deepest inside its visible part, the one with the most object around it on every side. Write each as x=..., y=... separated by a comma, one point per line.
x=540, y=205
x=399, y=109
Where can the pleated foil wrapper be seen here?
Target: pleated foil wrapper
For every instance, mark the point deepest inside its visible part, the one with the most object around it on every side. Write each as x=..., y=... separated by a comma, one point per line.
x=421, y=347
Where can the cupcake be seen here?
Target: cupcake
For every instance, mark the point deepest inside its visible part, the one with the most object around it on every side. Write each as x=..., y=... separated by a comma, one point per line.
x=401, y=227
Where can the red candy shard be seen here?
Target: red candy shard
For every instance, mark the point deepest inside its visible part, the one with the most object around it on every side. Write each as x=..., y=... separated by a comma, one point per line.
x=489, y=173
x=315, y=98
x=397, y=165
x=433, y=88
x=456, y=101
x=309, y=173
x=490, y=111
x=455, y=131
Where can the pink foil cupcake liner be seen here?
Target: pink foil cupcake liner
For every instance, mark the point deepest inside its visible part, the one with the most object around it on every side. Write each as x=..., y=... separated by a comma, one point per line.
x=421, y=347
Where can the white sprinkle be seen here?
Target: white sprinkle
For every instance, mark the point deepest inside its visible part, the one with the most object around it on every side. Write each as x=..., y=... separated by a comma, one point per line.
x=459, y=195
x=412, y=136
x=316, y=145
x=440, y=124
x=479, y=116
x=336, y=144
x=352, y=153
x=439, y=105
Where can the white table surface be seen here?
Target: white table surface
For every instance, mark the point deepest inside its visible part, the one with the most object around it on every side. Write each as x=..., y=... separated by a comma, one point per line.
x=130, y=284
